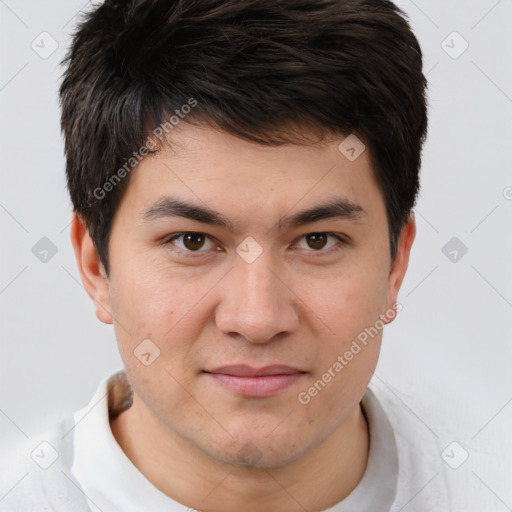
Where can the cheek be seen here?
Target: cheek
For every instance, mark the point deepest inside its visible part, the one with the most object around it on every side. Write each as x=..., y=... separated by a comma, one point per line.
x=348, y=303
x=349, y=306
x=161, y=305
x=139, y=303
x=159, y=310
x=143, y=310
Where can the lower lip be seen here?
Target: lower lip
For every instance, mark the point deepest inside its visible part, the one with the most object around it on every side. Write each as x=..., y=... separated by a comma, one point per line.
x=263, y=386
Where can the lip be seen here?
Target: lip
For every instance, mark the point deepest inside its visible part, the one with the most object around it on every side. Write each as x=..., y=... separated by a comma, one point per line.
x=255, y=382
x=243, y=370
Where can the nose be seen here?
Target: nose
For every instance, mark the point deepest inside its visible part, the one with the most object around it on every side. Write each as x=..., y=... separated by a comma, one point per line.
x=256, y=302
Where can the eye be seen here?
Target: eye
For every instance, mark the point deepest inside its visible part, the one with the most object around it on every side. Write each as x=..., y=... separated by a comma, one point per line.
x=191, y=242
x=319, y=241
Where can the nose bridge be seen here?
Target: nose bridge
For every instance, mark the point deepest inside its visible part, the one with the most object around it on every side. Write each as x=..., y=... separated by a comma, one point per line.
x=255, y=302
x=258, y=284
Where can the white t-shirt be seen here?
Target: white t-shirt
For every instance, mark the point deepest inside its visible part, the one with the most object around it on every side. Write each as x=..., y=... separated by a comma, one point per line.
x=376, y=491
x=79, y=467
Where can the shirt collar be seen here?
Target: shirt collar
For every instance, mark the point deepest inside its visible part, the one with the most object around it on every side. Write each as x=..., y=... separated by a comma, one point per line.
x=111, y=481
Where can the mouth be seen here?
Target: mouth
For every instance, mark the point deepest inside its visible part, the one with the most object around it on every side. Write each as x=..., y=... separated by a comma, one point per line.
x=255, y=382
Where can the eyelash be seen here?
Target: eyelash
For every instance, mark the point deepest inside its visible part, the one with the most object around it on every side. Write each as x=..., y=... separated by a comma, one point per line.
x=194, y=254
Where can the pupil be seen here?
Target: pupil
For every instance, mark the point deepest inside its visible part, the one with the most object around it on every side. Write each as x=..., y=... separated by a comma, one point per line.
x=193, y=241
x=317, y=240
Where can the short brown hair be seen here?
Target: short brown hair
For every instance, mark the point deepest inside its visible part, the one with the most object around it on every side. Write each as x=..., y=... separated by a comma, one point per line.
x=253, y=67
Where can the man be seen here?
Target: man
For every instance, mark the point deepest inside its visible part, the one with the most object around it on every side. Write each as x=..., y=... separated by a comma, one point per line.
x=243, y=174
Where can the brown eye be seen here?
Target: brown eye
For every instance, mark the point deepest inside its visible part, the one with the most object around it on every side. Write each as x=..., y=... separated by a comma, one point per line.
x=191, y=242
x=317, y=241
x=320, y=243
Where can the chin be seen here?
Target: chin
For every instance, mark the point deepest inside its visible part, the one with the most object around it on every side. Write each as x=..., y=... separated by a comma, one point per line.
x=259, y=452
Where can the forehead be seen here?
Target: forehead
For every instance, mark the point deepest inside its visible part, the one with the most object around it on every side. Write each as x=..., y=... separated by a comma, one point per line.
x=206, y=165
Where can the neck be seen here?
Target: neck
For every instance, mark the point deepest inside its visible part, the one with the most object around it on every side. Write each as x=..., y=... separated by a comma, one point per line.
x=318, y=480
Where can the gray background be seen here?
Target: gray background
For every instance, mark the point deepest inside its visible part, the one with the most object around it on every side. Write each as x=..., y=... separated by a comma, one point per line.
x=448, y=355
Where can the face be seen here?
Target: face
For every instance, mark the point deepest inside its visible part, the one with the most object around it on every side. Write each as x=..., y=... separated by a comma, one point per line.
x=250, y=282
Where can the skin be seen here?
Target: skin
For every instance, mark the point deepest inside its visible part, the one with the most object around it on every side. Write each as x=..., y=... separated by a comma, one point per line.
x=298, y=304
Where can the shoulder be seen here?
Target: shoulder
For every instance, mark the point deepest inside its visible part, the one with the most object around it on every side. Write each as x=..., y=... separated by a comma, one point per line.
x=36, y=476
x=422, y=474
x=443, y=465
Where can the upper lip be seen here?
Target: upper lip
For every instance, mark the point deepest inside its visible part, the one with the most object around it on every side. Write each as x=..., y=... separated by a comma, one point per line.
x=242, y=370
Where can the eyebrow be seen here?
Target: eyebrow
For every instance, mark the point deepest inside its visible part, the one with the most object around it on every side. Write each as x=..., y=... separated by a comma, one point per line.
x=168, y=207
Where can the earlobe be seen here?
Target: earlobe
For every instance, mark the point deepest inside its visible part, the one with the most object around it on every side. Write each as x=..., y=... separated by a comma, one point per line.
x=92, y=271
x=399, y=268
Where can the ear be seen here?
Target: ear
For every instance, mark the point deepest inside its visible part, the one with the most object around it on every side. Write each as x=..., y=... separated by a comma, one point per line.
x=92, y=271
x=399, y=266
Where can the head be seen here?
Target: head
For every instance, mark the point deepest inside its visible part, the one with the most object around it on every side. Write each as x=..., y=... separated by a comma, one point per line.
x=236, y=120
